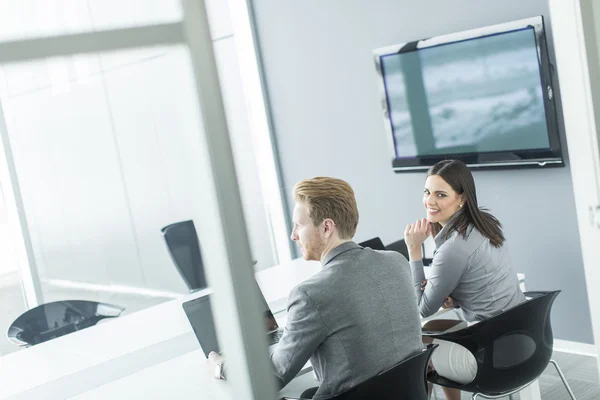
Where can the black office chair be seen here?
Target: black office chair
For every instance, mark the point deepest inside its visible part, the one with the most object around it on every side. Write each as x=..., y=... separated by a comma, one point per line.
x=375, y=244
x=58, y=318
x=512, y=349
x=406, y=380
x=182, y=242
x=399, y=246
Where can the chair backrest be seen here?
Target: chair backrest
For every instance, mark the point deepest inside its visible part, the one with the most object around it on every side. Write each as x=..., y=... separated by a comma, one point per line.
x=406, y=380
x=182, y=242
x=512, y=348
x=399, y=246
x=52, y=320
x=375, y=244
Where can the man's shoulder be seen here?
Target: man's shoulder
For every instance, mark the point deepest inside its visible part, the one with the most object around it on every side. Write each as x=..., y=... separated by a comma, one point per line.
x=315, y=282
x=365, y=257
x=386, y=256
x=343, y=268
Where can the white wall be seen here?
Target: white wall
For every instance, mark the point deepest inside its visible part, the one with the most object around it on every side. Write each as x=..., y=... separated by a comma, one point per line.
x=106, y=146
x=327, y=120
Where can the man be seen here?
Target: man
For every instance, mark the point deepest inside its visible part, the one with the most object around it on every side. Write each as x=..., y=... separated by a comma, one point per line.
x=358, y=316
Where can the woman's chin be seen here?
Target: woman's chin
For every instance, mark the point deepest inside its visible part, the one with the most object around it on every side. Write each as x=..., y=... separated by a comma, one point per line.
x=432, y=219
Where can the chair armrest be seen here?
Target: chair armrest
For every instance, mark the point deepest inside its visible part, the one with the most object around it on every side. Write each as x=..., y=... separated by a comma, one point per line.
x=533, y=295
x=432, y=334
x=292, y=398
x=440, y=326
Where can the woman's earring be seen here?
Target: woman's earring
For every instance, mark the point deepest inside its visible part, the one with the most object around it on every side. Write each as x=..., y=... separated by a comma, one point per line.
x=460, y=206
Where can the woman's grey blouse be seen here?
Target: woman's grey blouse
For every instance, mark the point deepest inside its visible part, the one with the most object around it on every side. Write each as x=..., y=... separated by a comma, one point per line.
x=478, y=276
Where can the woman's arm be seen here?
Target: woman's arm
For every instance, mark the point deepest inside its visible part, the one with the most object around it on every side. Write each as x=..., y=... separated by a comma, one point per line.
x=446, y=271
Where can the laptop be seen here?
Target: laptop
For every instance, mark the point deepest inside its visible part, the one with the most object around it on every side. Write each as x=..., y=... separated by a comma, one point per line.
x=199, y=314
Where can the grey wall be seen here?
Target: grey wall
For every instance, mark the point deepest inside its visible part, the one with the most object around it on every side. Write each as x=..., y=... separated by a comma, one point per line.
x=325, y=109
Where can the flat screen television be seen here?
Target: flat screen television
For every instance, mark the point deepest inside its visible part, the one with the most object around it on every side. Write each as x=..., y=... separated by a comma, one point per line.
x=483, y=96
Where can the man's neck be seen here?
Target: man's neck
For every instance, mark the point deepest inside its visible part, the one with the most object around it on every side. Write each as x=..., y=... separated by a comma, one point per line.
x=332, y=245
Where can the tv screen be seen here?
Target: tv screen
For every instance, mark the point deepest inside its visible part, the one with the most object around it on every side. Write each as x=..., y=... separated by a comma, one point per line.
x=483, y=96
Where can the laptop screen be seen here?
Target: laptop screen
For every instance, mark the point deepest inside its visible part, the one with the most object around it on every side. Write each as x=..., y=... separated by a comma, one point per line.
x=270, y=322
x=199, y=313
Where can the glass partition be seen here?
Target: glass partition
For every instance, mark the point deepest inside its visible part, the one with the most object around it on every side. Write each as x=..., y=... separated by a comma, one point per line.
x=109, y=149
x=38, y=18
x=12, y=302
x=106, y=149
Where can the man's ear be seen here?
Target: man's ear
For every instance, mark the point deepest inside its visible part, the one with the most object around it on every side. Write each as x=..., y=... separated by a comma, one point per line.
x=328, y=227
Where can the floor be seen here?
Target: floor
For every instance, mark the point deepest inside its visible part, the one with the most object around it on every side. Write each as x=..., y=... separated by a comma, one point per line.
x=581, y=373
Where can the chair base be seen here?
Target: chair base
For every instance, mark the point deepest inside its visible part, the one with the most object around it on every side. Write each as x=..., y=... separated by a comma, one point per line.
x=564, y=380
x=499, y=396
x=509, y=394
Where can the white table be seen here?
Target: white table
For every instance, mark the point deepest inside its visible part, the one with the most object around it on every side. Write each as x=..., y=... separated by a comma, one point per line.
x=151, y=354
x=110, y=353
x=72, y=364
x=167, y=380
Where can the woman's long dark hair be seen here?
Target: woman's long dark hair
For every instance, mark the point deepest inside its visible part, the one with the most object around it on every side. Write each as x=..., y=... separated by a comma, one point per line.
x=458, y=176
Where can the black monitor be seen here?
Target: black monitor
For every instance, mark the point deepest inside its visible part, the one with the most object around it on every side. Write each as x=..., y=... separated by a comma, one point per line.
x=483, y=96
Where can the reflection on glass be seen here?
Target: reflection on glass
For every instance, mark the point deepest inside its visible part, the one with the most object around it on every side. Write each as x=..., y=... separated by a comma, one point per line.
x=12, y=301
x=38, y=18
x=52, y=320
x=108, y=150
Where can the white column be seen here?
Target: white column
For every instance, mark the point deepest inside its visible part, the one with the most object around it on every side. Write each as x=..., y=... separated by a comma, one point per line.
x=575, y=27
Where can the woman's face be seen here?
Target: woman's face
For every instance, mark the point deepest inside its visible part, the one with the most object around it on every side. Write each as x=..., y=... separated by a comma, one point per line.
x=440, y=200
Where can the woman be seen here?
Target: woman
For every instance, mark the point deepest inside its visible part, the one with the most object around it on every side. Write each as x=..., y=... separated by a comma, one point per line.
x=471, y=268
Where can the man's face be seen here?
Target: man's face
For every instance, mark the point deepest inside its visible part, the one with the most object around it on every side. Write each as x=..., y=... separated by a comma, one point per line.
x=309, y=237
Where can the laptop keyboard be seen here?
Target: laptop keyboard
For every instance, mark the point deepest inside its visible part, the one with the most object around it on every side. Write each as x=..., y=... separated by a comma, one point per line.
x=274, y=337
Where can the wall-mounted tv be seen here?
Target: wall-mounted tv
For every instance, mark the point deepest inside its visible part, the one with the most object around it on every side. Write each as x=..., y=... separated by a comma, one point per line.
x=483, y=96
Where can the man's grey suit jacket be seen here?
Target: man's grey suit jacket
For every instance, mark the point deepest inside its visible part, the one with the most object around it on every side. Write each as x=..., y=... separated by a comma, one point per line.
x=354, y=319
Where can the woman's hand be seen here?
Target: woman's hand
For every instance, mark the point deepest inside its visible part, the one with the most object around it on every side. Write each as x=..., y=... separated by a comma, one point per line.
x=414, y=235
x=448, y=303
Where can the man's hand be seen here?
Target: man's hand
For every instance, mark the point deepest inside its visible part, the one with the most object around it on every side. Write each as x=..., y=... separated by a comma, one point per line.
x=215, y=358
x=215, y=362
